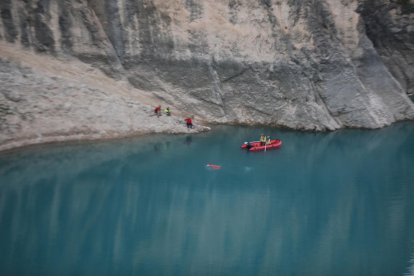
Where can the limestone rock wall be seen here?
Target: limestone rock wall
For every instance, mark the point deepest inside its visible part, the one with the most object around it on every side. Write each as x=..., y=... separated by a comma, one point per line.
x=304, y=64
x=390, y=27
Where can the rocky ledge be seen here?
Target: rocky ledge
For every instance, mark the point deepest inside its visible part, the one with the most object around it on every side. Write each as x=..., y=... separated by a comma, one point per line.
x=56, y=103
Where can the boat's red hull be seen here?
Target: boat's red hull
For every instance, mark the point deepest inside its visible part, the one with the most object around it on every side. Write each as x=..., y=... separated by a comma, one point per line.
x=256, y=146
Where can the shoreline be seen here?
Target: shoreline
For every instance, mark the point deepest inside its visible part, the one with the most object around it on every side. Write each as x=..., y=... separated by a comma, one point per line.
x=46, y=100
x=23, y=143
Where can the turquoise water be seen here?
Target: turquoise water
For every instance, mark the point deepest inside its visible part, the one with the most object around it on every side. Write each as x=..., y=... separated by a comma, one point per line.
x=338, y=203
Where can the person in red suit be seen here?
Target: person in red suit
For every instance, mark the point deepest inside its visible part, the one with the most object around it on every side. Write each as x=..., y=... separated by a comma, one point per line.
x=189, y=122
x=157, y=111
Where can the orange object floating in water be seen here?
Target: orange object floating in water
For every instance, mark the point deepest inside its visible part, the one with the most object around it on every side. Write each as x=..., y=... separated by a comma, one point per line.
x=214, y=167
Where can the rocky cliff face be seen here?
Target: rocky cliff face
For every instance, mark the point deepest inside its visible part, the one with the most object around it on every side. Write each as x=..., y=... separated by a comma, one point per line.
x=39, y=106
x=390, y=27
x=304, y=64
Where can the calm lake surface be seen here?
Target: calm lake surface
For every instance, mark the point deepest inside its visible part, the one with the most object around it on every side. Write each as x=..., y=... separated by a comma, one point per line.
x=338, y=203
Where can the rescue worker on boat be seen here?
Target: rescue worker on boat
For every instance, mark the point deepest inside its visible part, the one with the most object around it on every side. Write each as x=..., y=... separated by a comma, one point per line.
x=262, y=140
x=268, y=141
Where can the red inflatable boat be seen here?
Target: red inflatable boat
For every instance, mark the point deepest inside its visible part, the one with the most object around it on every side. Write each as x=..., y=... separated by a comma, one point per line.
x=256, y=146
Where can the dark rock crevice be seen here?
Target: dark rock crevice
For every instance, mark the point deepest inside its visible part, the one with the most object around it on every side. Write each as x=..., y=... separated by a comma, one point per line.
x=195, y=7
x=10, y=30
x=65, y=25
x=44, y=36
x=390, y=27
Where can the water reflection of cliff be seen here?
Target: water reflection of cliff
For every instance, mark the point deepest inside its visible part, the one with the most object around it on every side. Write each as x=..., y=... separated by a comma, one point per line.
x=325, y=203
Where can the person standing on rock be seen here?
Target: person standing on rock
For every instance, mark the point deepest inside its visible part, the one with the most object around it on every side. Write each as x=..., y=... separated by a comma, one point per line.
x=189, y=122
x=167, y=111
x=157, y=111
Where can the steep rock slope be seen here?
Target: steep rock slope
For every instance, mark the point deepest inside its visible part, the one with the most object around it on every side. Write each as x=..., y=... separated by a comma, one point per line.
x=305, y=64
x=390, y=27
x=46, y=100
